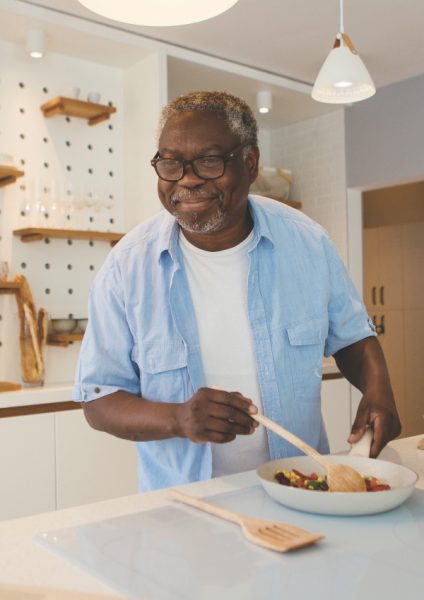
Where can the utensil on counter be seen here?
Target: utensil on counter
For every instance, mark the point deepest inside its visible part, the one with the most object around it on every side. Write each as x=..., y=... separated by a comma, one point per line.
x=340, y=477
x=274, y=535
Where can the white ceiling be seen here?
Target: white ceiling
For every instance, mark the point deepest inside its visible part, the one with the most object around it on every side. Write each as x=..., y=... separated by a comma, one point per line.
x=292, y=37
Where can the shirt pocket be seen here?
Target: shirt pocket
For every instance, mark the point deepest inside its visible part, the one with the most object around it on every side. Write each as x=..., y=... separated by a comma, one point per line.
x=306, y=351
x=163, y=371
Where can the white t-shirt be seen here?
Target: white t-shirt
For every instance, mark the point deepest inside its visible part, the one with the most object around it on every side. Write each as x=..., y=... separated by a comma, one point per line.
x=218, y=287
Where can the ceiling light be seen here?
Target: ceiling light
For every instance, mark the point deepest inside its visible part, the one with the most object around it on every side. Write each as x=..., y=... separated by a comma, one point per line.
x=36, y=43
x=264, y=101
x=158, y=13
x=343, y=77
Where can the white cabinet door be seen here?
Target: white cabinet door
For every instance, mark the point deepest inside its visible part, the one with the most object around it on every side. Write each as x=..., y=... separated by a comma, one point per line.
x=335, y=406
x=27, y=465
x=90, y=465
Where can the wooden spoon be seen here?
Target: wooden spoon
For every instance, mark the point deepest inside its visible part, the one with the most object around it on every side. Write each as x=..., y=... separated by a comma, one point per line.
x=340, y=478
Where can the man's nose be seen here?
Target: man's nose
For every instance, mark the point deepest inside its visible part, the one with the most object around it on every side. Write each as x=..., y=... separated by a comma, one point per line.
x=189, y=178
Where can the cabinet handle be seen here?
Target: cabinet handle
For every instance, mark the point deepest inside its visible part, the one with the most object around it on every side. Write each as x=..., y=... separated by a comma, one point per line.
x=382, y=295
x=374, y=290
x=381, y=328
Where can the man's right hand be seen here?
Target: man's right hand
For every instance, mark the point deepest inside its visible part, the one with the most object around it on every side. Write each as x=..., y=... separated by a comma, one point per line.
x=217, y=416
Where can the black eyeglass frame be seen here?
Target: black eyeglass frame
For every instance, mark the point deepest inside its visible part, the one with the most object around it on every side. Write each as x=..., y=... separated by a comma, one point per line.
x=225, y=158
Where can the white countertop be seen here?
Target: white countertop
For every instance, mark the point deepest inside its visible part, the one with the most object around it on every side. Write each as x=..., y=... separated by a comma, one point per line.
x=25, y=562
x=29, y=396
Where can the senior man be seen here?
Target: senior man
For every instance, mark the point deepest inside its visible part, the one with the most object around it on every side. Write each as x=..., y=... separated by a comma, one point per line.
x=219, y=306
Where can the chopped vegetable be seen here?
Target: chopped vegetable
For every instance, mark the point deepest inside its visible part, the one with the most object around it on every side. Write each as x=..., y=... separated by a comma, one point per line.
x=295, y=478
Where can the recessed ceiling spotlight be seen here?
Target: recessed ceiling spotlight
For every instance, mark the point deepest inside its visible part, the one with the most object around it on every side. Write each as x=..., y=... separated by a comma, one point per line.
x=264, y=101
x=36, y=43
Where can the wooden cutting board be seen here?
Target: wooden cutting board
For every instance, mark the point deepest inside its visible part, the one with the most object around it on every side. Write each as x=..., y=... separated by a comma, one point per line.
x=8, y=386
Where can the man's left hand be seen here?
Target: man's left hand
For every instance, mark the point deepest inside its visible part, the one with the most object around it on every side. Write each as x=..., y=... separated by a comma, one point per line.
x=381, y=417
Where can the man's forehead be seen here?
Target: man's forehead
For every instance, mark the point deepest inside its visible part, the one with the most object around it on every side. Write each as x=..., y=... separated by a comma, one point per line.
x=196, y=118
x=203, y=127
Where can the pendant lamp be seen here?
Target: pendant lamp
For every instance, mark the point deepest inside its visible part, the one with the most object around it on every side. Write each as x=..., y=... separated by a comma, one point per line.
x=343, y=77
x=158, y=13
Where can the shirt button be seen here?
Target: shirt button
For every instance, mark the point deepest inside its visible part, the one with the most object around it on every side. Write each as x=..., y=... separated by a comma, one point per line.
x=97, y=390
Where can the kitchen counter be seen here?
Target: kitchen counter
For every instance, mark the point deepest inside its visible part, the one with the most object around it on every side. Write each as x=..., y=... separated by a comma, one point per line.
x=23, y=561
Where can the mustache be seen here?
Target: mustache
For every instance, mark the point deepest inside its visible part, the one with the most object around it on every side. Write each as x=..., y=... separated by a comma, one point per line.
x=187, y=195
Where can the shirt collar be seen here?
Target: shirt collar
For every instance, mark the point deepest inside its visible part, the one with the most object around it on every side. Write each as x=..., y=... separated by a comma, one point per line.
x=168, y=232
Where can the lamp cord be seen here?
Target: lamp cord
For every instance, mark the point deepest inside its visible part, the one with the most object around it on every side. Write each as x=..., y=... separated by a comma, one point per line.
x=341, y=17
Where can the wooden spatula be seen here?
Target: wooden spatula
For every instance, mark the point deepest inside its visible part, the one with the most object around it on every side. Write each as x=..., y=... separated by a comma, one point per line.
x=340, y=478
x=273, y=535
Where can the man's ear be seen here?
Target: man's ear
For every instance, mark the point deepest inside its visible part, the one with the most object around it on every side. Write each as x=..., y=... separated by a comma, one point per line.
x=252, y=162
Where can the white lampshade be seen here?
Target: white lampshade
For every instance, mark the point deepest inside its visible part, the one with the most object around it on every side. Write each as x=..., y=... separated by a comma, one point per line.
x=343, y=78
x=158, y=13
x=264, y=101
x=36, y=43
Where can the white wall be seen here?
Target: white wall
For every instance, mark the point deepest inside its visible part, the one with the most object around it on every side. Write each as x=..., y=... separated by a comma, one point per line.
x=385, y=137
x=314, y=150
x=65, y=159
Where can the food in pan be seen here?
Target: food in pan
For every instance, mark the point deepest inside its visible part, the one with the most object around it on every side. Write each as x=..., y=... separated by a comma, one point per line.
x=313, y=481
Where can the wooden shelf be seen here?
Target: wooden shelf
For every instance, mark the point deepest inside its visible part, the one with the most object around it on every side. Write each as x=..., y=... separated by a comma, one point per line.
x=9, y=287
x=34, y=234
x=63, y=339
x=94, y=113
x=9, y=386
x=9, y=175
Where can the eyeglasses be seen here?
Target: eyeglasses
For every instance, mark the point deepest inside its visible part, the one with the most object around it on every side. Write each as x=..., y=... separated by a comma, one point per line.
x=205, y=167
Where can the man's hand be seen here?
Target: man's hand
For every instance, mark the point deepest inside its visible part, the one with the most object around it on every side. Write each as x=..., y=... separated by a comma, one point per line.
x=381, y=417
x=364, y=366
x=213, y=415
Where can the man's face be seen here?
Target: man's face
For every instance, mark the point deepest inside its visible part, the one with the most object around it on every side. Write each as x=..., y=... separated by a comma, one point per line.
x=200, y=205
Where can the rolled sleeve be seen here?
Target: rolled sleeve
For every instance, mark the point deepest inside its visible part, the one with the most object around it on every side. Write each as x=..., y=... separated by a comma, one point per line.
x=105, y=362
x=348, y=318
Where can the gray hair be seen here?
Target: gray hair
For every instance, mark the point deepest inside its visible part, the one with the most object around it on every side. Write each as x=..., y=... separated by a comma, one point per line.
x=237, y=113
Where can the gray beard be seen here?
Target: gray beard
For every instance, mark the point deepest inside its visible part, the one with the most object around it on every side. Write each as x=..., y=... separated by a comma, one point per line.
x=213, y=224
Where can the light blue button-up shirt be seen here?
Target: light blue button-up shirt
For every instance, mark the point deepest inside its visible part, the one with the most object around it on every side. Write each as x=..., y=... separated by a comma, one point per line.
x=142, y=336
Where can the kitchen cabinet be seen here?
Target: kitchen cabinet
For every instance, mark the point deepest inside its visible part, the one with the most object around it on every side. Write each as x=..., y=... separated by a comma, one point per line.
x=91, y=465
x=394, y=296
x=55, y=460
x=383, y=267
x=413, y=265
x=27, y=465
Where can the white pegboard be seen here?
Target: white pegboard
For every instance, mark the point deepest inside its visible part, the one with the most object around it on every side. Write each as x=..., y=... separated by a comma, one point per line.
x=73, y=179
